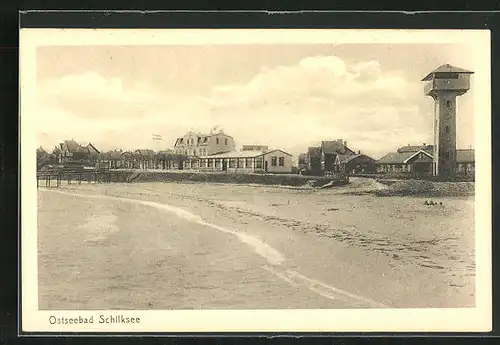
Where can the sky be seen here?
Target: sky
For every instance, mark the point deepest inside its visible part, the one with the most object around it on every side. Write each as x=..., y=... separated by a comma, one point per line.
x=285, y=96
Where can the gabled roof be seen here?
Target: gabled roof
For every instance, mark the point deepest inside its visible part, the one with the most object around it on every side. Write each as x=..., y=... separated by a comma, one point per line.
x=348, y=158
x=92, y=148
x=446, y=69
x=343, y=158
x=465, y=156
x=72, y=146
x=416, y=154
x=314, y=152
x=333, y=146
x=145, y=152
x=395, y=157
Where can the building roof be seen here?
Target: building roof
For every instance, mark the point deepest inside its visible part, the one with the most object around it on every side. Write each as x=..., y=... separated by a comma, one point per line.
x=114, y=155
x=72, y=146
x=145, y=152
x=344, y=159
x=422, y=154
x=395, y=157
x=415, y=148
x=236, y=154
x=333, y=146
x=447, y=68
x=314, y=152
x=91, y=148
x=199, y=136
x=465, y=156
x=243, y=154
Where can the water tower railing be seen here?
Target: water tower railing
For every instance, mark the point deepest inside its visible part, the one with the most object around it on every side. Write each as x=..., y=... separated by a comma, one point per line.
x=461, y=84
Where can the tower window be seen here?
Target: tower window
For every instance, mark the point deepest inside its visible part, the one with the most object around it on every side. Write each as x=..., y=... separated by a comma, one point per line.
x=217, y=141
x=225, y=141
x=447, y=129
x=448, y=104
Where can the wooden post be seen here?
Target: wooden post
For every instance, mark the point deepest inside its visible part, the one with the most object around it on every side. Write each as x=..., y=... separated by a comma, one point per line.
x=37, y=180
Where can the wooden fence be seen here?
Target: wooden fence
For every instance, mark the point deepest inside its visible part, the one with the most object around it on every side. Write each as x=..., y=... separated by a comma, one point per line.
x=57, y=178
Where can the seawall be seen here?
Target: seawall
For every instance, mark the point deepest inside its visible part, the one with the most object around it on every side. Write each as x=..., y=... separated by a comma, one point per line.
x=121, y=176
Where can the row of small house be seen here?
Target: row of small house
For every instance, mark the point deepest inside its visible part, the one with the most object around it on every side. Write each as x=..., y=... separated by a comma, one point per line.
x=328, y=158
x=410, y=160
x=251, y=159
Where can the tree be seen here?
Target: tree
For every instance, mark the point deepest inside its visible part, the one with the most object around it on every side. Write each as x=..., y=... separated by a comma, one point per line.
x=42, y=158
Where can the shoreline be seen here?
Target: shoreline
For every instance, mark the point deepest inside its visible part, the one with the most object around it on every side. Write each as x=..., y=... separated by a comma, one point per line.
x=351, y=186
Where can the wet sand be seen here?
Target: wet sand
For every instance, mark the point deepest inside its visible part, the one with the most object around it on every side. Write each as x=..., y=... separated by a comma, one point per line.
x=175, y=246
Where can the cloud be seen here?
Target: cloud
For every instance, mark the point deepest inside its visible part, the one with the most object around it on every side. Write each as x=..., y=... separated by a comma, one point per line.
x=324, y=97
x=89, y=95
x=289, y=107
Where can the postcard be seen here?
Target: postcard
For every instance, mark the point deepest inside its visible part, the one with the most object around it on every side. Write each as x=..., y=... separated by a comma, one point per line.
x=257, y=180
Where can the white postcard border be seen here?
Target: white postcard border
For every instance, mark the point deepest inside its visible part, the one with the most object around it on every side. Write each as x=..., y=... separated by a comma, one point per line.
x=356, y=320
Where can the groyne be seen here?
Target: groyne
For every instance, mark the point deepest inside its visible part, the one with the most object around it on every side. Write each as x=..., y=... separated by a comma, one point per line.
x=124, y=176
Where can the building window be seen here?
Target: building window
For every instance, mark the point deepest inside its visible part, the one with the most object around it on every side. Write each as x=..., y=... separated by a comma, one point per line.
x=248, y=162
x=274, y=161
x=210, y=163
x=448, y=104
x=447, y=129
x=232, y=163
x=282, y=161
x=258, y=163
x=241, y=162
x=217, y=141
x=194, y=152
x=225, y=141
x=218, y=163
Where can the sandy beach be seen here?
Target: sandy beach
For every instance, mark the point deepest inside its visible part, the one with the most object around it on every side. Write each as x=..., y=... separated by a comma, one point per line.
x=221, y=246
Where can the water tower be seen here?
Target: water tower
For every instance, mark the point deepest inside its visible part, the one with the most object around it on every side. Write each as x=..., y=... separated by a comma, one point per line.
x=444, y=84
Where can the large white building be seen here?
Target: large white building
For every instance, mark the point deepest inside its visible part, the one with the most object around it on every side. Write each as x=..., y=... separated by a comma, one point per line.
x=198, y=144
x=259, y=161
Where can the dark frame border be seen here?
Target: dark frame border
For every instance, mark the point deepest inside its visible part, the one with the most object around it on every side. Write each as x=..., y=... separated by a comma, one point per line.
x=264, y=19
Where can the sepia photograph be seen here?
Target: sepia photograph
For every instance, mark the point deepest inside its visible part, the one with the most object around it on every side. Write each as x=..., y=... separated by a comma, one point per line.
x=255, y=180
